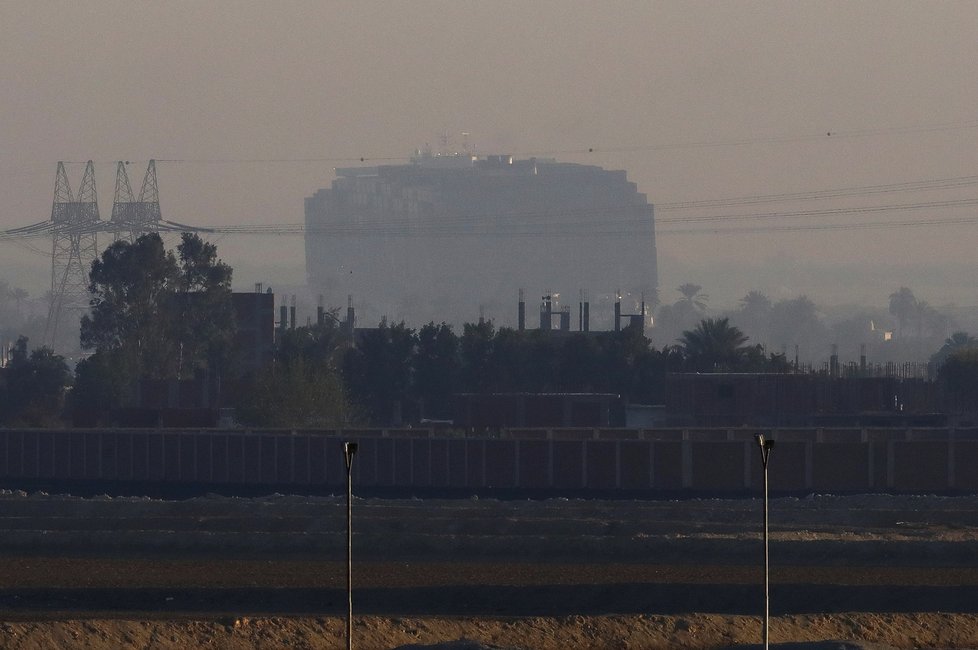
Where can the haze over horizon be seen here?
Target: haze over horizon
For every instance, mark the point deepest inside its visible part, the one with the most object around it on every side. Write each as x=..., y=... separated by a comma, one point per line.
x=249, y=107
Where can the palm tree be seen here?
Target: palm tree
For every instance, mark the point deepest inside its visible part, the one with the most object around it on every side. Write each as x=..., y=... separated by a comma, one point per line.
x=954, y=343
x=755, y=303
x=903, y=305
x=960, y=339
x=692, y=296
x=714, y=344
x=755, y=315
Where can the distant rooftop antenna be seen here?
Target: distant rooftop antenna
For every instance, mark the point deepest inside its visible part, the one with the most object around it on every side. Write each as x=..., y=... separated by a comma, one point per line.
x=465, y=141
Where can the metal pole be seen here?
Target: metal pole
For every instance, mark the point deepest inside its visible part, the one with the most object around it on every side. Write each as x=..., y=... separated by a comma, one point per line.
x=349, y=450
x=767, y=567
x=766, y=447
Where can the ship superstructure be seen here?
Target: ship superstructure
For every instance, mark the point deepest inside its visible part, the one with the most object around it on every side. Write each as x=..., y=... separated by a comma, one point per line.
x=445, y=236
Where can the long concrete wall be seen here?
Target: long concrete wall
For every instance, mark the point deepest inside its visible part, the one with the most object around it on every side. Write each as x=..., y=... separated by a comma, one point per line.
x=713, y=460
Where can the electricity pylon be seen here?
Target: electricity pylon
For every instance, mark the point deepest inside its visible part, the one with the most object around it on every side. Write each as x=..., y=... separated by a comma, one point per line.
x=75, y=224
x=74, y=248
x=132, y=218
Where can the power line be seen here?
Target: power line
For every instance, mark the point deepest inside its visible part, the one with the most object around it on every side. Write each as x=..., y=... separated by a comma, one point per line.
x=270, y=161
x=738, y=142
x=865, y=190
x=861, y=225
x=824, y=212
x=596, y=220
x=611, y=220
x=577, y=229
x=596, y=148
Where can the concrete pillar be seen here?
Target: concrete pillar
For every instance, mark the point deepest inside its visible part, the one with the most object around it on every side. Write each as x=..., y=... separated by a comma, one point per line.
x=583, y=464
x=951, y=479
x=483, y=481
x=651, y=463
x=550, y=459
x=890, y=464
x=748, y=448
x=809, y=465
x=618, y=463
x=516, y=463
x=411, y=477
x=687, y=468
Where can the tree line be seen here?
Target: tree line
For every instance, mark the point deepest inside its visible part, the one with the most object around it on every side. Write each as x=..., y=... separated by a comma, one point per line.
x=158, y=314
x=908, y=328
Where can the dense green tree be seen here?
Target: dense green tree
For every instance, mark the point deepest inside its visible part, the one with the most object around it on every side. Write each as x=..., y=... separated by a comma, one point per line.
x=508, y=367
x=954, y=343
x=205, y=327
x=297, y=394
x=378, y=371
x=302, y=387
x=579, y=367
x=33, y=386
x=754, y=315
x=436, y=369
x=921, y=328
x=693, y=296
x=543, y=363
x=959, y=377
x=929, y=321
x=797, y=322
x=21, y=316
x=755, y=359
x=851, y=333
x=156, y=315
x=133, y=308
x=672, y=320
x=755, y=303
x=476, y=347
x=903, y=305
x=99, y=386
x=317, y=344
x=621, y=354
x=714, y=344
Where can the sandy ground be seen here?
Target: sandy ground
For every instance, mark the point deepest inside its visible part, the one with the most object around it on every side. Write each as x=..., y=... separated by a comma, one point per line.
x=597, y=632
x=215, y=572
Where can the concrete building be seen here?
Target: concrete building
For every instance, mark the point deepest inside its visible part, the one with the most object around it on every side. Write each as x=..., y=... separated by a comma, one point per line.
x=447, y=237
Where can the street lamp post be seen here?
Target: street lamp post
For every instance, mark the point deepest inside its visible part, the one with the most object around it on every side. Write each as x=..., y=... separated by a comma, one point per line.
x=766, y=447
x=349, y=451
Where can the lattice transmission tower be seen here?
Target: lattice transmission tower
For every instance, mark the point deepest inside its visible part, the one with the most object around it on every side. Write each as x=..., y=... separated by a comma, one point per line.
x=74, y=247
x=76, y=222
x=134, y=217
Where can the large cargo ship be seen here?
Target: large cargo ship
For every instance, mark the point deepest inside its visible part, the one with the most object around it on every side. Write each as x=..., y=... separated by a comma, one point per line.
x=452, y=237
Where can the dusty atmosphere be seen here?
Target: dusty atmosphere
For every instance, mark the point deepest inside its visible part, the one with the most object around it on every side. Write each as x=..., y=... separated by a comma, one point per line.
x=220, y=572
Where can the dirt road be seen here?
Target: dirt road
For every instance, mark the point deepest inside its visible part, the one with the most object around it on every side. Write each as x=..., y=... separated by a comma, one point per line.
x=52, y=587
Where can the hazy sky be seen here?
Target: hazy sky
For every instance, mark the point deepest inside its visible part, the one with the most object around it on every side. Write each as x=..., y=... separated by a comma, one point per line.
x=696, y=100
